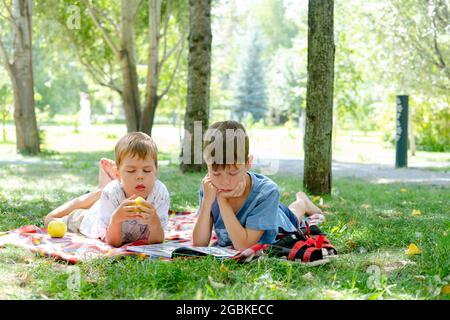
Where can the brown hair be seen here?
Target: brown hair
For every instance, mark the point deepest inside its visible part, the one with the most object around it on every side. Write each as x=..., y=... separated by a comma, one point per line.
x=137, y=144
x=230, y=145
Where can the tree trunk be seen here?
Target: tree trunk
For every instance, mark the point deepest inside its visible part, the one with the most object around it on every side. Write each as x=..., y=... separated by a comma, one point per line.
x=151, y=94
x=319, y=98
x=130, y=93
x=199, y=74
x=21, y=74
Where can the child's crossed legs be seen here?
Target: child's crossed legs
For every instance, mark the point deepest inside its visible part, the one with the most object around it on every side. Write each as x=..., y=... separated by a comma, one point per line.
x=303, y=206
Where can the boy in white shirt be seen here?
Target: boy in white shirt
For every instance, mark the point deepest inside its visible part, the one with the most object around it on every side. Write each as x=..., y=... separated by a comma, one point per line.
x=111, y=213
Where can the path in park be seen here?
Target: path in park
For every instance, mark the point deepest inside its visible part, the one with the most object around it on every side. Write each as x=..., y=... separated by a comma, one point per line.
x=371, y=172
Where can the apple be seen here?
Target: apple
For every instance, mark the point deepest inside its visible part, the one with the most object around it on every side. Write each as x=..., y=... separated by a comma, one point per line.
x=57, y=229
x=138, y=202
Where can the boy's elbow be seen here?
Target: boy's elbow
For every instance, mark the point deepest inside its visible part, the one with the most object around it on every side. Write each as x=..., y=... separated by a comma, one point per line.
x=155, y=240
x=113, y=242
x=242, y=246
x=239, y=247
x=199, y=243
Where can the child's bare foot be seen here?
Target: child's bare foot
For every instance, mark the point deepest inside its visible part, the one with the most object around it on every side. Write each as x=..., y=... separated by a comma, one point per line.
x=107, y=172
x=310, y=207
x=298, y=207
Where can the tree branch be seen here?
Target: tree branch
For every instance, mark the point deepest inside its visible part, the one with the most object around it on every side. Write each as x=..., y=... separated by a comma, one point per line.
x=10, y=18
x=165, y=57
x=4, y=53
x=174, y=70
x=116, y=28
x=102, y=30
x=166, y=23
x=7, y=9
x=442, y=65
x=93, y=72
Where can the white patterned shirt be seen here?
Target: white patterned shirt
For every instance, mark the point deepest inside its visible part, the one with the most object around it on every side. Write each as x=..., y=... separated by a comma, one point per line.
x=98, y=217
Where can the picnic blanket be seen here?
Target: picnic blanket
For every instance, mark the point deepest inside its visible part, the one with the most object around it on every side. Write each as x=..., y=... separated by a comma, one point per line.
x=74, y=248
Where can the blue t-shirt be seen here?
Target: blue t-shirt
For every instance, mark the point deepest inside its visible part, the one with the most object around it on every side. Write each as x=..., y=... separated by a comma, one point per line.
x=261, y=210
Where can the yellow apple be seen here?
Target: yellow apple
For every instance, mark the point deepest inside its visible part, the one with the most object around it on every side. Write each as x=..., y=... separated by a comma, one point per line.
x=57, y=229
x=138, y=202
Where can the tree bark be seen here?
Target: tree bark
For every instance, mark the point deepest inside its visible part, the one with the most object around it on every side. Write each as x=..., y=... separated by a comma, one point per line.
x=130, y=93
x=319, y=98
x=20, y=72
x=151, y=94
x=199, y=75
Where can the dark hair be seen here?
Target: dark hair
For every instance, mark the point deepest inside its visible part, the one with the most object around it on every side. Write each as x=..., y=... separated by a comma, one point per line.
x=225, y=143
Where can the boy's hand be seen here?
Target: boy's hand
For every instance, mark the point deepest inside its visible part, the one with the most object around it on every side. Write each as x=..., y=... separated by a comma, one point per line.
x=236, y=192
x=126, y=211
x=209, y=190
x=147, y=213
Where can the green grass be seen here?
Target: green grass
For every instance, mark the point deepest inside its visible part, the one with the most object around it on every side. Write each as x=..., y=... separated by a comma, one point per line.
x=370, y=224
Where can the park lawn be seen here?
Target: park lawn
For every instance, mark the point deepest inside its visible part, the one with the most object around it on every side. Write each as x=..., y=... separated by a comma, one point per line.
x=370, y=224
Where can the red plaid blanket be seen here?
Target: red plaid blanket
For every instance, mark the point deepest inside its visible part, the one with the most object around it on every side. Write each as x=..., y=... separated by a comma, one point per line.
x=74, y=248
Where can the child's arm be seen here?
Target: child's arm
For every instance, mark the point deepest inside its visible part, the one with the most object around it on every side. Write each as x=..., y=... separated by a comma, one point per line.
x=82, y=202
x=150, y=217
x=242, y=238
x=125, y=211
x=203, y=227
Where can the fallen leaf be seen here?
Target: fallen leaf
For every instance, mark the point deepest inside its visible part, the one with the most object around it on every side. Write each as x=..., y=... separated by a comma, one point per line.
x=446, y=289
x=308, y=277
x=24, y=278
x=375, y=296
x=223, y=268
x=214, y=284
x=198, y=295
x=352, y=244
x=416, y=213
x=413, y=249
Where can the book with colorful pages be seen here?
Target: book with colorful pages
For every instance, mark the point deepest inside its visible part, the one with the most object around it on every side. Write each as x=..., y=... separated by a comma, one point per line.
x=174, y=250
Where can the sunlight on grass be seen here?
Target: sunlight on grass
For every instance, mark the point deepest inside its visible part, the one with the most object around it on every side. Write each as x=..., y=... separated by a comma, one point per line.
x=371, y=225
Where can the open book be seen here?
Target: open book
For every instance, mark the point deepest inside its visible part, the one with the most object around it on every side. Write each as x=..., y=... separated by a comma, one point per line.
x=173, y=250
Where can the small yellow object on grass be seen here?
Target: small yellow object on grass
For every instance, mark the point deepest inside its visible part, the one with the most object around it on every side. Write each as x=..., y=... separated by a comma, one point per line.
x=416, y=213
x=57, y=229
x=446, y=289
x=413, y=249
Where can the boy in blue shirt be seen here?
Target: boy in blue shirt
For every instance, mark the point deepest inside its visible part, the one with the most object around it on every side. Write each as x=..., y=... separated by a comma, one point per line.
x=243, y=207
